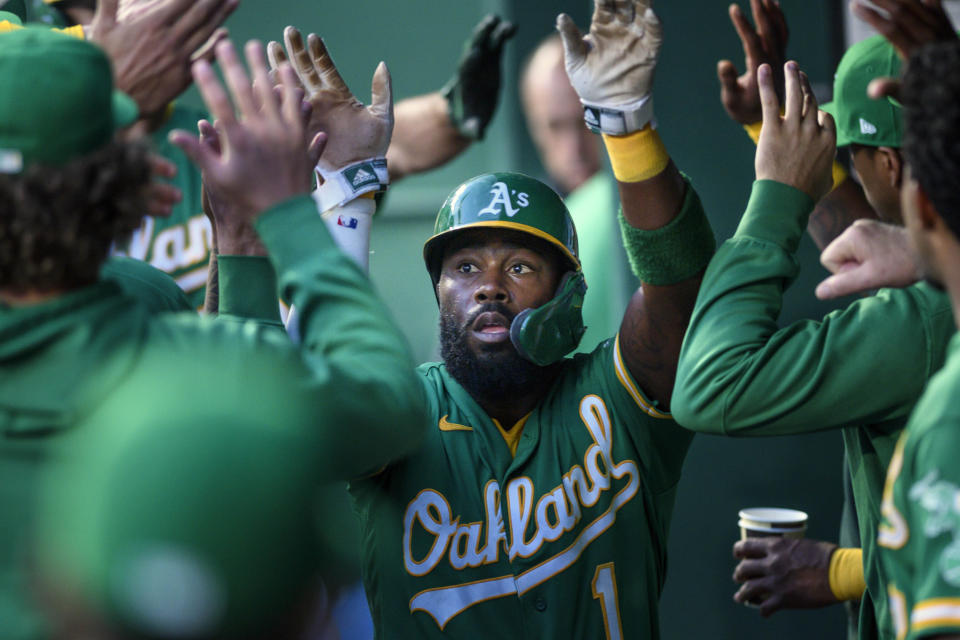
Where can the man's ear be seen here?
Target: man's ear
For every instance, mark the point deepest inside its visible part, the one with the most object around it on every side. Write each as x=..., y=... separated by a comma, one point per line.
x=927, y=213
x=891, y=163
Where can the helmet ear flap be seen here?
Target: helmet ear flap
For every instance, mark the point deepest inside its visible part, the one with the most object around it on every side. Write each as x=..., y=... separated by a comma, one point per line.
x=546, y=334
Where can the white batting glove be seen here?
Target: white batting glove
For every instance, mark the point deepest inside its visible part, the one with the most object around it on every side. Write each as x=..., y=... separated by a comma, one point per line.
x=612, y=67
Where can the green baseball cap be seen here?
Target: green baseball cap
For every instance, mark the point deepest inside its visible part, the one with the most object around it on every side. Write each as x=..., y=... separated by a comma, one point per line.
x=58, y=102
x=861, y=119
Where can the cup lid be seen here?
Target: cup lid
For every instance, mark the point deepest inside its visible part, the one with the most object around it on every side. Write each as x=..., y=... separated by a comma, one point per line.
x=773, y=518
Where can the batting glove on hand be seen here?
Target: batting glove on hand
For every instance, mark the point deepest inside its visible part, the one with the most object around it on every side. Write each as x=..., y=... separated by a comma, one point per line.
x=613, y=65
x=473, y=90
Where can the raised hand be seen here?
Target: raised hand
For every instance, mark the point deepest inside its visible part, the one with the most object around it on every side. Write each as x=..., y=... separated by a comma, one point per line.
x=152, y=43
x=261, y=155
x=868, y=255
x=764, y=43
x=473, y=90
x=354, y=132
x=798, y=148
x=908, y=24
x=613, y=64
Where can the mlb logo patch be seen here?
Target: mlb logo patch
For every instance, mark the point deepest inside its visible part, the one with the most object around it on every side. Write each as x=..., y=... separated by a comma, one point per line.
x=347, y=221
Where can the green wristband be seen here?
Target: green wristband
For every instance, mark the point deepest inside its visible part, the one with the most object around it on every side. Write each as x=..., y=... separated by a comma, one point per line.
x=675, y=252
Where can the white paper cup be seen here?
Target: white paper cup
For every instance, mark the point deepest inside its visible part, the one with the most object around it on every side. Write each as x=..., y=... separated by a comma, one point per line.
x=766, y=522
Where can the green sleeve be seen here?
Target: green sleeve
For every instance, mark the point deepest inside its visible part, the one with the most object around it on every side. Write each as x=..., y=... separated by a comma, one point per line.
x=154, y=288
x=739, y=374
x=248, y=289
x=373, y=396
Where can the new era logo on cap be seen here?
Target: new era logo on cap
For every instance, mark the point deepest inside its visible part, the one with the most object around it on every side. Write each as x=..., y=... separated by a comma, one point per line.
x=867, y=128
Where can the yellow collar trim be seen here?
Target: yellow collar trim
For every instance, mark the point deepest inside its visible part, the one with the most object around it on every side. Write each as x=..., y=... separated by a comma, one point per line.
x=512, y=437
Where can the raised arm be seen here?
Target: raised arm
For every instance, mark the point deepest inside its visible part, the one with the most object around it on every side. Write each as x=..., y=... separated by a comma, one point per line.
x=433, y=129
x=666, y=234
x=742, y=374
x=765, y=42
x=353, y=367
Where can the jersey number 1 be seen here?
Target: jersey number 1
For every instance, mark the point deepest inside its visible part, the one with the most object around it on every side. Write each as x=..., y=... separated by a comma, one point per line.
x=604, y=587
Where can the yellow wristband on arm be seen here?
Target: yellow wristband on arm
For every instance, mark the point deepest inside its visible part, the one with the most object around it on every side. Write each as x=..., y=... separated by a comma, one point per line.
x=637, y=156
x=846, y=574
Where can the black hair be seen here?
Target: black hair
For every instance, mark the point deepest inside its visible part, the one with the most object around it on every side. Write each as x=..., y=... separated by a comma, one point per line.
x=931, y=137
x=57, y=223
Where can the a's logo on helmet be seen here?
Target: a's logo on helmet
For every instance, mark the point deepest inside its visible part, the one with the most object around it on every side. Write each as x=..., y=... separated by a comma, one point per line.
x=501, y=197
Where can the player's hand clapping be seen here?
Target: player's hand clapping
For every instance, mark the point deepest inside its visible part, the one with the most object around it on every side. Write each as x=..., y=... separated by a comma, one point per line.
x=764, y=43
x=798, y=148
x=259, y=157
x=355, y=132
x=151, y=44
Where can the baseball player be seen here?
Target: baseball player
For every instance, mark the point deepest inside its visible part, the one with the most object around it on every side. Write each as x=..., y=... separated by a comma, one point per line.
x=741, y=375
x=68, y=339
x=919, y=536
x=539, y=503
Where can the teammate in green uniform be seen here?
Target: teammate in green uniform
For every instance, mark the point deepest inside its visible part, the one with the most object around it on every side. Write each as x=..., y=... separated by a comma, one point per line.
x=539, y=504
x=67, y=340
x=740, y=375
x=919, y=537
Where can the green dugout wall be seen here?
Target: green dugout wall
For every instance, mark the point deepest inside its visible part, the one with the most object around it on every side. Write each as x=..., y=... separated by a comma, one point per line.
x=421, y=41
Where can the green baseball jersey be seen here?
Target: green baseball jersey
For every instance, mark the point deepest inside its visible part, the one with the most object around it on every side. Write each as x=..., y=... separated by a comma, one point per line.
x=150, y=286
x=919, y=538
x=60, y=359
x=861, y=369
x=559, y=533
x=179, y=244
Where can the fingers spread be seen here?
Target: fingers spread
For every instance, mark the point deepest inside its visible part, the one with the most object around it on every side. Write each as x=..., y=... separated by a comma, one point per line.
x=275, y=55
x=324, y=64
x=793, y=104
x=727, y=74
x=503, y=32
x=212, y=92
x=381, y=93
x=237, y=81
x=768, y=96
x=574, y=48
x=301, y=60
x=263, y=88
x=752, y=48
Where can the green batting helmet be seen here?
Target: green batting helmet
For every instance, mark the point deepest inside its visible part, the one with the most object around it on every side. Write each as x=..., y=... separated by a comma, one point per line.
x=518, y=202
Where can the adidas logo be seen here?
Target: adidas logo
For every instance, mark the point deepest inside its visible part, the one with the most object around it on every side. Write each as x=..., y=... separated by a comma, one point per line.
x=591, y=116
x=867, y=128
x=362, y=176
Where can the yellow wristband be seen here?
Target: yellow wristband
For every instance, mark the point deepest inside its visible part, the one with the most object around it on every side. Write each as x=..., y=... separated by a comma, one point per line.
x=76, y=31
x=753, y=130
x=846, y=574
x=839, y=175
x=637, y=156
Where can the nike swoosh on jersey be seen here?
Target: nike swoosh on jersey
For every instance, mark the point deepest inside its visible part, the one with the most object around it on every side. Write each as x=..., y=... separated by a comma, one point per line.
x=446, y=425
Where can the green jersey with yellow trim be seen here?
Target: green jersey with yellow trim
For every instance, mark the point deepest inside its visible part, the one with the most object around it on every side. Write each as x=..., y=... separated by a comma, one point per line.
x=566, y=538
x=741, y=374
x=179, y=244
x=919, y=538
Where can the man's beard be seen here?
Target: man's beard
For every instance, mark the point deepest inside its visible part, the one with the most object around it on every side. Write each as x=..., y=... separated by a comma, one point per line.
x=497, y=370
